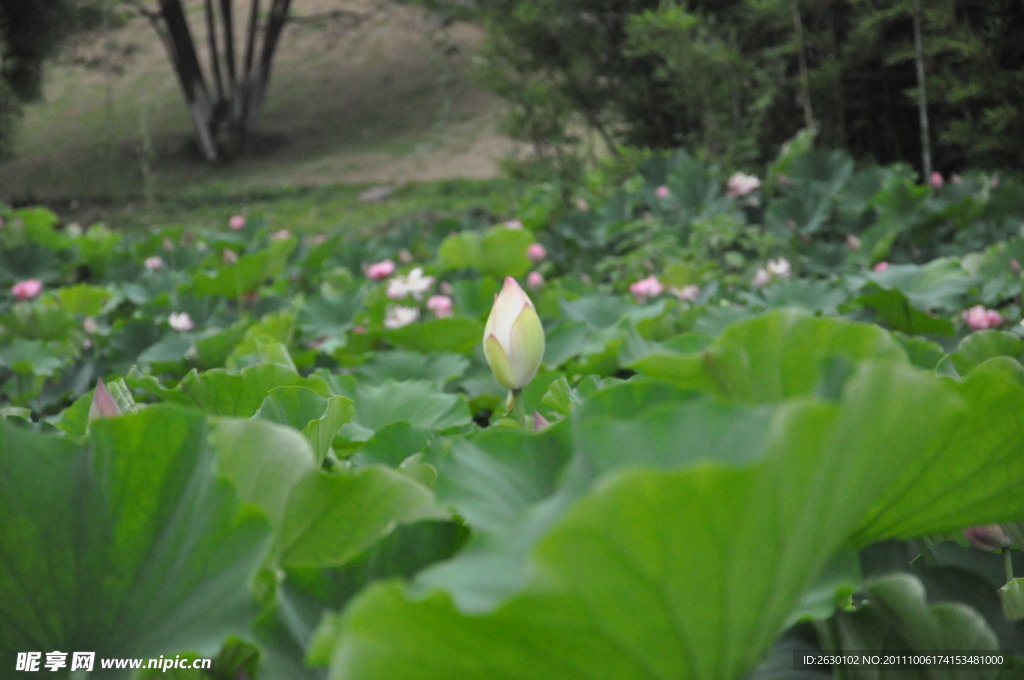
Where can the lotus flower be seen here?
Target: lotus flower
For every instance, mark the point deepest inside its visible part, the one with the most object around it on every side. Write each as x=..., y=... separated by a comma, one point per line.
x=534, y=280
x=440, y=305
x=27, y=289
x=281, y=235
x=396, y=316
x=988, y=537
x=663, y=192
x=852, y=242
x=936, y=180
x=780, y=268
x=536, y=252
x=689, y=293
x=582, y=205
x=513, y=337
x=979, y=318
x=741, y=184
x=514, y=224
x=154, y=264
x=181, y=321
x=89, y=325
x=414, y=283
x=381, y=270
x=761, y=278
x=645, y=288
x=236, y=222
x=881, y=267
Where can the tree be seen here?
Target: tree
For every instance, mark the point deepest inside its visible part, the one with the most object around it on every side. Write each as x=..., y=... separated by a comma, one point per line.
x=30, y=31
x=225, y=97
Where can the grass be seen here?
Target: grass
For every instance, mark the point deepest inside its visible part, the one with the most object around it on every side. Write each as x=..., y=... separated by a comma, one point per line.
x=307, y=210
x=388, y=102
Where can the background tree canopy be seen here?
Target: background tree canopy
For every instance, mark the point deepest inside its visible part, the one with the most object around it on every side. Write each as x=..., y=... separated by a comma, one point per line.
x=30, y=31
x=736, y=78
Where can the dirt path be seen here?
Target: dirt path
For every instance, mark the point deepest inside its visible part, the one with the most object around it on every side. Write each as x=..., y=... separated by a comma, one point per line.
x=389, y=100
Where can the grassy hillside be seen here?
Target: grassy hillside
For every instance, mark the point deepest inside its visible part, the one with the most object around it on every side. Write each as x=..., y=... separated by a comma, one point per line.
x=388, y=100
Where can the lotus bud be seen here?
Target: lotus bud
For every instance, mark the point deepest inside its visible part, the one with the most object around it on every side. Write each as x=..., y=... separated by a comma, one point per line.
x=987, y=537
x=513, y=337
x=103, y=404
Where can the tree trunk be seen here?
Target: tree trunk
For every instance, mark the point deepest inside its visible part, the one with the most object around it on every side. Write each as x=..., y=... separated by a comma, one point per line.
x=922, y=95
x=801, y=53
x=221, y=120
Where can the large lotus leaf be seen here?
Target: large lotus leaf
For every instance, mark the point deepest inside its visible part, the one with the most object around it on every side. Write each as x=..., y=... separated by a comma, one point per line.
x=417, y=402
x=977, y=348
x=941, y=284
x=503, y=252
x=452, y=334
x=499, y=252
x=212, y=351
x=899, y=619
x=220, y=393
x=686, y=573
x=973, y=475
x=771, y=357
x=83, y=299
x=896, y=311
x=130, y=546
x=307, y=597
x=276, y=327
x=247, y=274
x=440, y=368
x=263, y=460
x=330, y=315
x=303, y=409
x=332, y=518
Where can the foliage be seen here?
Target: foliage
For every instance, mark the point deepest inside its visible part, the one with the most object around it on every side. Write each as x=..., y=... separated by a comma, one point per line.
x=760, y=419
x=733, y=80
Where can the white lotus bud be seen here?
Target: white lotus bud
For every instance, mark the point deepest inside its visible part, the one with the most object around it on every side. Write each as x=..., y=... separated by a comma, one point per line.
x=513, y=337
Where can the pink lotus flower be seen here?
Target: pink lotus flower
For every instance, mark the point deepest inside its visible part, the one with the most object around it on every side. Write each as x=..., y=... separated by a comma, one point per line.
x=645, y=288
x=979, y=318
x=154, y=264
x=663, y=192
x=881, y=267
x=281, y=235
x=534, y=280
x=936, y=180
x=536, y=252
x=741, y=184
x=381, y=270
x=514, y=224
x=440, y=305
x=230, y=256
x=582, y=205
x=27, y=289
x=181, y=321
x=987, y=537
x=236, y=222
x=689, y=293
